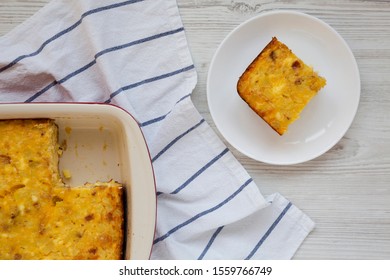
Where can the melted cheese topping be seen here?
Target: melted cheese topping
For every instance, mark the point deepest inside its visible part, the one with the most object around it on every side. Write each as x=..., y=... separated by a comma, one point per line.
x=277, y=85
x=40, y=218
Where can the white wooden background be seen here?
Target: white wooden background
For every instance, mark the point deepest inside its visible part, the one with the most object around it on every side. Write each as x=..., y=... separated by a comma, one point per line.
x=347, y=190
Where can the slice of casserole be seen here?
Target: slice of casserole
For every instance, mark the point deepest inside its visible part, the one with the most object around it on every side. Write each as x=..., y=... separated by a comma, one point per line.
x=278, y=85
x=85, y=223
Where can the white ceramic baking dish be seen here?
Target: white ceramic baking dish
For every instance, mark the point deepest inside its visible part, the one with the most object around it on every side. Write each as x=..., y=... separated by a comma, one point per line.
x=104, y=142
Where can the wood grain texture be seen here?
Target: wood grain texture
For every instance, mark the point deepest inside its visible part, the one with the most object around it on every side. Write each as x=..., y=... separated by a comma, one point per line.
x=346, y=191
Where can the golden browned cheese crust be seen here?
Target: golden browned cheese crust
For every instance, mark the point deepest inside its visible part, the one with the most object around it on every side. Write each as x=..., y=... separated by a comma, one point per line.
x=85, y=223
x=40, y=218
x=277, y=85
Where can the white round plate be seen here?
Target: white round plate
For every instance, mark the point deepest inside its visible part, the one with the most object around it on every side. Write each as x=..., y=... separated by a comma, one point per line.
x=325, y=119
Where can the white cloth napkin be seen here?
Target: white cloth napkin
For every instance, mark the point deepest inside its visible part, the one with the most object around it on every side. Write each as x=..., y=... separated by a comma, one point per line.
x=134, y=54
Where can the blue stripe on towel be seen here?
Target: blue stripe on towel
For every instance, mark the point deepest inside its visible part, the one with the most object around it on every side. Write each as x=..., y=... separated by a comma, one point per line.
x=200, y=171
x=99, y=54
x=67, y=30
x=201, y=214
x=272, y=227
x=211, y=241
x=37, y=94
x=146, y=81
x=177, y=139
x=155, y=120
x=140, y=41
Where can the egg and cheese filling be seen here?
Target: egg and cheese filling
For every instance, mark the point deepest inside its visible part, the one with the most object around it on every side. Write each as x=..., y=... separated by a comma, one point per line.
x=40, y=217
x=278, y=85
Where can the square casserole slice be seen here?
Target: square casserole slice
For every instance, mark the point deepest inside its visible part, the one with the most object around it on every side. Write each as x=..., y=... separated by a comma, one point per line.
x=277, y=85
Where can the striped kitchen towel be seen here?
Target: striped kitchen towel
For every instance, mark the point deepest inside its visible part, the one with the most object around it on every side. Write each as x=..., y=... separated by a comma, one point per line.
x=134, y=54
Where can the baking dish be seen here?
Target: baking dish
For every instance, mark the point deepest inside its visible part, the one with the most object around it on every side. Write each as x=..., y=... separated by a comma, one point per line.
x=104, y=142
